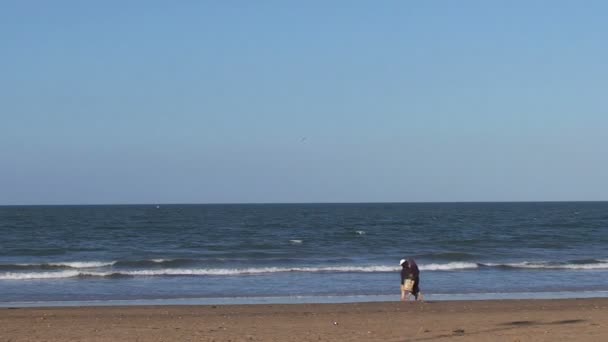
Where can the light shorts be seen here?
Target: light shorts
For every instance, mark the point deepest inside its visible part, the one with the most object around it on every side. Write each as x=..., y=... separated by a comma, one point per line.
x=408, y=285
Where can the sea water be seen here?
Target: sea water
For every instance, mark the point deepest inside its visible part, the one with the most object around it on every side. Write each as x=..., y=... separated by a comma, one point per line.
x=299, y=253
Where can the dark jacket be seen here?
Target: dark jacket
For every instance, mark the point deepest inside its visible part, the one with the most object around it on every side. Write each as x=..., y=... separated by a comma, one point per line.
x=409, y=271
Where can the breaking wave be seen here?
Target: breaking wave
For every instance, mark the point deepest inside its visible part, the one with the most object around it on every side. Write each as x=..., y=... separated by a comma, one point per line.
x=574, y=265
x=163, y=267
x=451, y=266
x=191, y=272
x=77, y=265
x=83, y=264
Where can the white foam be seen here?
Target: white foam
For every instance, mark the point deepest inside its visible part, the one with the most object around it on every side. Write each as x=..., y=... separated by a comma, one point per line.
x=296, y=242
x=259, y=270
x=452, y=266
x=84, y=264
x=194, y=272
x=449, y=266
x=596, y=266
x=601, y=264
x=361, y=232
x=538, y=265
x=160, y=260
x=39, y=275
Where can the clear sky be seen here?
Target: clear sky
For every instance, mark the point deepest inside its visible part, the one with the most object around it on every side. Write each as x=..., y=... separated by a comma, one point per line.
x=302, y=101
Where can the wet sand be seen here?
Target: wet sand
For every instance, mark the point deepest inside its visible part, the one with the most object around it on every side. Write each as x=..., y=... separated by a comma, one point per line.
x=509, y=320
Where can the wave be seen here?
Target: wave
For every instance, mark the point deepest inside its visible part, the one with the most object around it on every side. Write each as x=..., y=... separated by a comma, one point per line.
x=58, y=265
x=193, y=272
x=83, y=264
x=88, y=269
x=574, y=265
x=224, y=271
x=156, y=263
x=451, y=266
x=78, y=265
x=39, y=275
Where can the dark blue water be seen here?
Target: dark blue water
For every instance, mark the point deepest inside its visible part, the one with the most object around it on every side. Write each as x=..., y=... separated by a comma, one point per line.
x=301, y=252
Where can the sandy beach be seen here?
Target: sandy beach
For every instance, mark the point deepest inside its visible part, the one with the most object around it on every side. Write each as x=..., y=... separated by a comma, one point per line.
x=511, y=320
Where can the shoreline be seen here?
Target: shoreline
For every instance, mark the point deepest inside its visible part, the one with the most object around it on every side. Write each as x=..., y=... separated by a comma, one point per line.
x=288, y=300
x=483, y=320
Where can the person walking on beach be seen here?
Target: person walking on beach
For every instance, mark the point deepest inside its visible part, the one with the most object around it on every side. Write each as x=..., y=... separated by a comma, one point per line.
x=410, y=279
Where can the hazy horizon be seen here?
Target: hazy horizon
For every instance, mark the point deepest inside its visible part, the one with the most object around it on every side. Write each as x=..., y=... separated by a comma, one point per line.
x=284, y=203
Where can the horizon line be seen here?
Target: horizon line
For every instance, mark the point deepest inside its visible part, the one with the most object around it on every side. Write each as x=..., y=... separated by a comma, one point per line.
x=299, y=203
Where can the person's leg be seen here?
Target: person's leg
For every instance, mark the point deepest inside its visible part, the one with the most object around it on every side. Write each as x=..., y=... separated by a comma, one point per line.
x=416, y=290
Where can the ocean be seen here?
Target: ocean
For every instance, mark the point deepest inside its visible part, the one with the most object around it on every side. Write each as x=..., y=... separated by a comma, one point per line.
x=299, y=253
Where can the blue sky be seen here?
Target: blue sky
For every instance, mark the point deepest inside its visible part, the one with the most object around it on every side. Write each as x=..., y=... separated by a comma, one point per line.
x=309, y=101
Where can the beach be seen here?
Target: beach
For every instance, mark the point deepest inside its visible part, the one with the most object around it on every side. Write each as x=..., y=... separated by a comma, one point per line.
x=507, y=320
x=304, y=272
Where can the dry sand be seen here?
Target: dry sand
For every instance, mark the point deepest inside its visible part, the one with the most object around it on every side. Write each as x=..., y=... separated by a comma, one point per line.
x=511, y=320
